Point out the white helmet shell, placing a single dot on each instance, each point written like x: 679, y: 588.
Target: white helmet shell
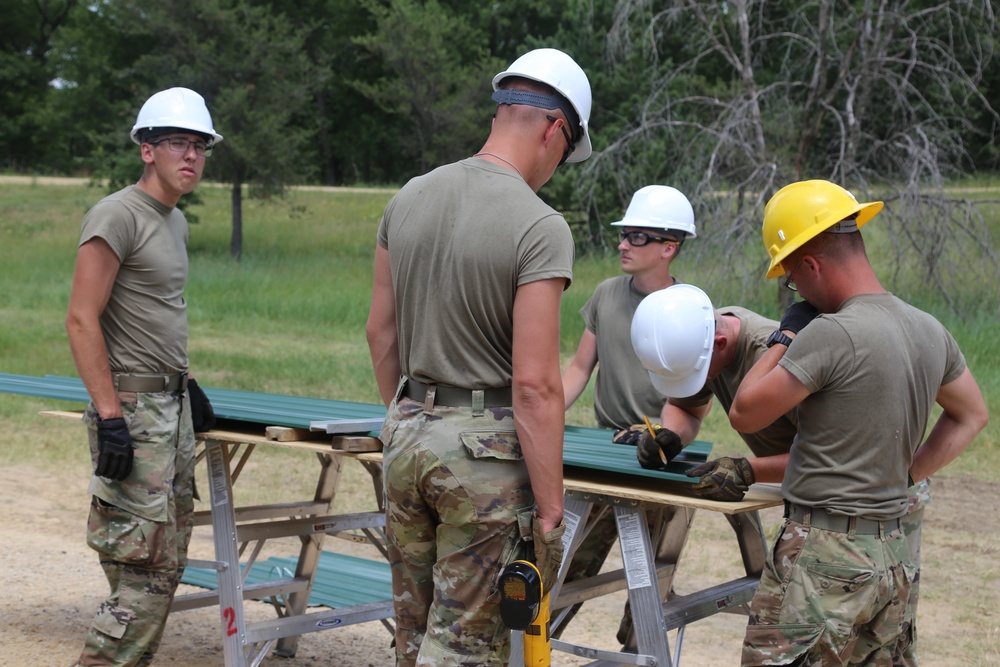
x: 175, y: 107
x: 660, y: 207
x: 673, y: 333
x: 559, y: 70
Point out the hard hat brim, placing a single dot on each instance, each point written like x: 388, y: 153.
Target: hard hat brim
x: 865, y: 210
x: 689, y: 386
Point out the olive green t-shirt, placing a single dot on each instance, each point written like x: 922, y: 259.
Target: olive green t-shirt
x: 623, y: 392
x: 751, y: 344
x: 145, y: 321
x: 461, y: 240
x: 874, y: 369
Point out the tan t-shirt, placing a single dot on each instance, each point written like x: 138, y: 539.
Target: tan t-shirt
x: 751, y: 344
x: 874, y: 369
x: 461, y: 240
x: 623, y: 392
x: 145, y: 321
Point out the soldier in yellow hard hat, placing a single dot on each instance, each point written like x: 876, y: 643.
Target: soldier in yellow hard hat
x: 863, y: 377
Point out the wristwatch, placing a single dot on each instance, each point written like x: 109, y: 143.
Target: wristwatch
x: 778, y: 337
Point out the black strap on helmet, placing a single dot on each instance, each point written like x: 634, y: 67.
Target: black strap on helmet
x: 514, y: 96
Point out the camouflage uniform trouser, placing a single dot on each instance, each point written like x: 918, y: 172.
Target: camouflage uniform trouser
x: 830, y: 598
x: 458, y: 509
x: 141, y: 528
x: 911, y: 524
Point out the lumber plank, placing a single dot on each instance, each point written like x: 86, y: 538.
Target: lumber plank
x: 356, y: 444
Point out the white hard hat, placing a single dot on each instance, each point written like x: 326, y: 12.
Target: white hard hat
x: 558, y: 70
x: 175, y: 107
x: 660, y: 207
x: 673, y: 332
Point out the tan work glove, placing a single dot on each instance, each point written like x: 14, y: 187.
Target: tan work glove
x: 630, y: 435
x: 723, y: 479
x: 548, y: 551
x: 651, y: 451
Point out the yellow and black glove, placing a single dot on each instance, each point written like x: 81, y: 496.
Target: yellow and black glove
x: 630, y: 435
x: 656, y: 453
x: 724, y: 478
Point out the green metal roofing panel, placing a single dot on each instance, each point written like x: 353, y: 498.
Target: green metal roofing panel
x: 341, y: 580
x: 584, y: 447
x: 592, y: 448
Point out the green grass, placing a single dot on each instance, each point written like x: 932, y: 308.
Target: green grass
x: 289, y: 317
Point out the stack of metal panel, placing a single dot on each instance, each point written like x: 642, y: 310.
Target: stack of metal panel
x: 584, y: 447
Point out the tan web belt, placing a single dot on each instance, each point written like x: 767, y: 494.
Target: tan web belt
x: 478, y: 399
x: 838, y: 523
x: 149, y: 383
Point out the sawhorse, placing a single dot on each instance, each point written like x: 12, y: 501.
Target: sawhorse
x: 643, y: 575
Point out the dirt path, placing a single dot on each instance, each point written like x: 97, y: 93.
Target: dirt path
x: 52, y: 584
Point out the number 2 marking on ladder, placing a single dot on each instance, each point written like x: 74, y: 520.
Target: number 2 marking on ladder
x: 230, y: 617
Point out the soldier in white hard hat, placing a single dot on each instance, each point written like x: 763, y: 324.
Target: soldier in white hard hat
x: 658, y: 221
x: 470, y: 267
x: 127, y: 327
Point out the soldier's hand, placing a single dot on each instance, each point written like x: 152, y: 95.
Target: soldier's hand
x: 548, y: 551
x: 630, y: 435
x: 202, y: 413
x: 723, y: 478
x: 114, y: 449
x: 649, y: 448
x: 797, y: 316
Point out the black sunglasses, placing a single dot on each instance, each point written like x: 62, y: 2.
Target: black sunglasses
x: 638, y: 239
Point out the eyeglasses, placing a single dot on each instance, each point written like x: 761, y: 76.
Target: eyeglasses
x: 790, y: 278
x: 638, y: 239
x: 183, y: 144
x: 571, y: 145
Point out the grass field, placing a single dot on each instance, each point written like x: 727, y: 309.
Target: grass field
x: 289, y: 317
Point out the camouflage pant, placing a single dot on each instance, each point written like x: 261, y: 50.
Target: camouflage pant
x: 141, y: 527
x: 458, y: 509
x: 911, y: 525
x: 829, y: 598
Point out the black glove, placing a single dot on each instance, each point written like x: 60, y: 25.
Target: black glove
x: 797, y: 316
x: 723, y: 479
x: 114, y: 449
x: 649, y: 448
x: 630, y: 435
x: 202, y: 414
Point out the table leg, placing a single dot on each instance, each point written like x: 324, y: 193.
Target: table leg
x: 226, y: 554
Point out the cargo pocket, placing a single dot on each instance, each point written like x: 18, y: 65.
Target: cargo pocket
x: 779, y: 644
x: 515, y: 546
x: 493, y: 444
x: 120, y: 536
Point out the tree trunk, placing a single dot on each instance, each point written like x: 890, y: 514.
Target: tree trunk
x: 236, y: 243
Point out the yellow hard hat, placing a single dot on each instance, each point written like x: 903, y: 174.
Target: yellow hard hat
x: 800, y: 211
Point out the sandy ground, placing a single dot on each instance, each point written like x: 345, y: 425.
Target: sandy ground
x: 52, y: 584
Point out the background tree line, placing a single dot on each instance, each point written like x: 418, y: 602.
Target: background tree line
x: 727, y: 101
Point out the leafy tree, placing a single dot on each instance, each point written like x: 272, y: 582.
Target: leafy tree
x: 250, y: 66
x: 437, y: 79
x: 26, y: 34
x: 86, y: 119
x: 760, y: 94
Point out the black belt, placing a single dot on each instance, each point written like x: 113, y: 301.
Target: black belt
x: 456, y: 396
x: 838, y: 523
x: 149, y: 383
